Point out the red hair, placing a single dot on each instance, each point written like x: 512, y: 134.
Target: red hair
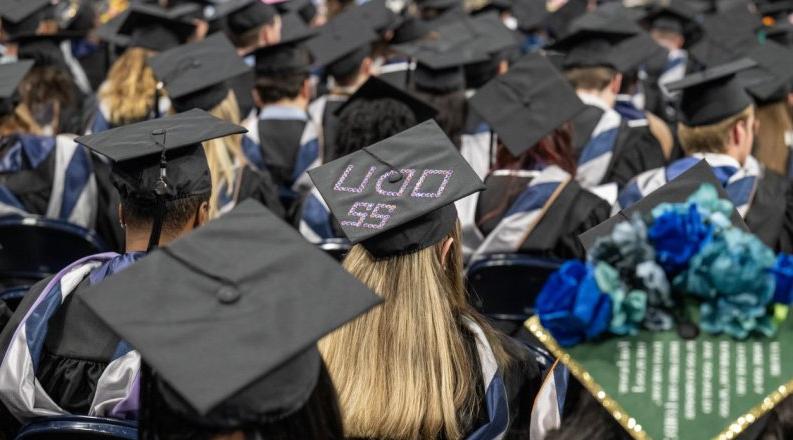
x: 553, y: 149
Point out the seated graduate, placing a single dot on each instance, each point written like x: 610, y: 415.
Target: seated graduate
x: 192, y: 76
x: 265, y: 315
x: 717, y: 125
x: 129, y: 94
x: 249, y: 24
x: 378, y: 110
x: 288, y: 138
x: 425, y: 364
x: 344, y: 47
x: 608, y: 150
x: 49, y: 176
x: 72, y: 361
x: 532, y: 203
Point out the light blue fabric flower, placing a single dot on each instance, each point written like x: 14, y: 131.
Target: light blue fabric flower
x: 625, y: 248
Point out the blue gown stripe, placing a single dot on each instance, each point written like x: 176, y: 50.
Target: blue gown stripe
x: 599, y: 145
x: 497, y: 411
x: 309, y: 152
x: 36, y: 324
x: 253, y: 152
x: 78, y: 174
x: 533, y: 197
x: 317, y: 217
x: 9, y: 199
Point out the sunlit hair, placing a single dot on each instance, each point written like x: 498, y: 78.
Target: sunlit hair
x: 20, y: 121
x: 770, y: 144
x: 224, y: 154
x: 711, y: 138
x: 128, y: 92
x: 404, y: 371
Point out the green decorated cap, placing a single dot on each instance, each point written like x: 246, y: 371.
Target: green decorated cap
x: 678, y: 321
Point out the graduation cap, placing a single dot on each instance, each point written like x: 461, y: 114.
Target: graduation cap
x: 781, y: 33
x: 676, y: 191
x: 11, y: 74
x: 558, y: 22
x: 591, y: 48
x: 236, y: 296
x: 606, y: 18
x: 672, y: 15
x: 109, y: 31
x: 777, y: 9
x: 305, y: 9
x: 397, y: 196
x: 342, y: 43
x: 631, y: 53
x: 770, y: 80
x: 241, y: 16
x: 294, y: 29
x: 530, y: 14
x: 714, y: 94
x: 441, y: 5
x: 411, y: 29
x: 284, y: 58
x: 161, y: 160
x: 376, y: 14
x: 376, y: 88
x: 195, y: 74
x: 23, y: 16
x: 155, y: 28
x: 526, y: 103
x: 492, y: 35
x: 727, y: 36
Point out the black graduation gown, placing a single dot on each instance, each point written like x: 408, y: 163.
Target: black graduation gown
x: 770, y: 216
x: 635, y: 151
x: 330, y: 126
x: 243, y: 90
x: 280, y: 142
x: 258, y: 185
x: 574, y: 211
x: 33, y: 186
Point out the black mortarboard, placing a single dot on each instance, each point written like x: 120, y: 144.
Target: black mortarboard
x: 590, y: 48
x: 225, y: 317
x: 109, y: 31
x: 244, y: 15
x: 284, y: 58
x: 195, y: 74
x: 530, y: 14
x: 492, y: 35
x: 161, y: 160
x: 629, y: 54
x: 671, y: 15
x: 558, y: 22
x: 305, y: 9
x: 294, y: 29
x: 770, y: 80
x: 155, y: 28
x: 727, y: 35
x: 342, y: 43
x: 714, y: 94
x: 11, y: 74
x: 676, y: 191
x: 397, y: 196
x: 606, y: 19
x: 439, y: 4
x: 376, y: 14
x: 526, y: 103
x: 376, y: 88
x: 23, y: 16
x: 781, y: 33
x: 776, y: 9
x: 411, y: 29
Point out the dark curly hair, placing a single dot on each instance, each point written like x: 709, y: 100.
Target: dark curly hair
x: 367, y: 121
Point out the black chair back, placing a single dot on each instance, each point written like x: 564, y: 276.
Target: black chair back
x: 78, y: 427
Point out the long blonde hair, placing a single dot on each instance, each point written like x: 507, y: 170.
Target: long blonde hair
x: 224, y: 155
x: 404, y: 370
x: 129, y: 90
x: 770, y: 146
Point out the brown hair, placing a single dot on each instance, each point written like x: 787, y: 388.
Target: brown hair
x: 590, y: 78
x: 710, y: 138
x: 770, y: 146
x: 404, y: 370
x: 20, y: 121
x: 129, y: 88
x: 46, y: 91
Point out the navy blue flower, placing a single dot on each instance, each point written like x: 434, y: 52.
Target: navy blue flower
x: 572, y: 307
x: 677, y: 237
x: 783, y: 275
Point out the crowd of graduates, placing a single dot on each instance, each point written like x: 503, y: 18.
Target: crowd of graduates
x: 216, y: 147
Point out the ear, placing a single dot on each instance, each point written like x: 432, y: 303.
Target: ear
x: 203, y: 214
x: 257, y: 100
x: 738, y: 133
x: 616, y: 83
x: 366, y: 66
x: 503, y: 67
x: 447, y: 247
x: 305, y: 91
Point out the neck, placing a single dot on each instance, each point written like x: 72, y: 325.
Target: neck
x: 299, y: 103
x: 605, y: 95
x: 348, y: 89
x: 137, y: 240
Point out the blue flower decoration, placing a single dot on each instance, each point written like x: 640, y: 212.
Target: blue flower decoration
x: 628, y: 309
x: 783, y: 277
x: 625, y: 248
x: 572, y: 307
x: 678, y: 236
x: 738, y: 316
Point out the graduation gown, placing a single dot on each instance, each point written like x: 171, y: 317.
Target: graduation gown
x: 323, y: 114
x: 626, y: 149
x: 555, y: 235
x: 253, y: 184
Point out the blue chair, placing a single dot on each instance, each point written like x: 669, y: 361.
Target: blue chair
x: 32, y: 248
x: 505, y: 286
x: 77, y: 427
x: 335, y: 247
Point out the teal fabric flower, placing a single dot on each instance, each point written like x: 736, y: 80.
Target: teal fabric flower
x: 738, y: 316
x: 625, y: 248
x: 627, y: 310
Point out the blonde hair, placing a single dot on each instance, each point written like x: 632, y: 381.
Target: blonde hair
x: 224, y: 155
x: 404, y: 371
x: 710, y: 138
x: 771, y: 147
x: 129, y: 90
x: 20, y: 121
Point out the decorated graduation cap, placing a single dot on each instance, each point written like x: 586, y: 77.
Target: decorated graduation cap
x: 11, y: 74
x: 706, y: 352
x: 342, y: 44
x: 591, y: 47
x: 714, y: 94
x: 23, y: 16
x: 526, y: 103
x: 770, y: 80
x: 161, y: 160
x: 195, y: 74
x: 376, y: 88
x: 235, y: 297
x: 155, y: 28
x: 397, y: 196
